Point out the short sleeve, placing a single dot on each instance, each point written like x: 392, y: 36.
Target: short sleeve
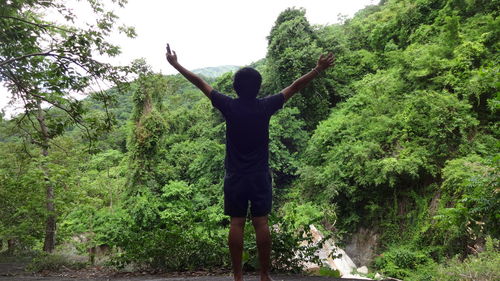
x: 274, y: 103
x: 220, y: 101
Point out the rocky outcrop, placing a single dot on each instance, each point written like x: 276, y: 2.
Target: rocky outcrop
x: 332, y: 256
x: 362, y: 245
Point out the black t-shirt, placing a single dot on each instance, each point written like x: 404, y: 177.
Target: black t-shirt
x: 247, y: 130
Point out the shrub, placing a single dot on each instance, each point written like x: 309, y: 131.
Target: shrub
x: 291, y: 247
x: 53, y: 262
x: 469, y: 204
x: 480, y: 267
x: 400, y: 262
x: 292, y: 240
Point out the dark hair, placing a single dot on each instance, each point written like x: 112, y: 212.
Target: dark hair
x: 247, y: 82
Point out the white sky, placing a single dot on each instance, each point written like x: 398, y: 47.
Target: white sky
x: 208, y: 33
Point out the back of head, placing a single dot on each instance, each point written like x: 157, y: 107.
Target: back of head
x: 247, y: 83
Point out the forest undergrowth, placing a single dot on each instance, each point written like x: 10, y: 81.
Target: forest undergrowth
x: 400, y: 137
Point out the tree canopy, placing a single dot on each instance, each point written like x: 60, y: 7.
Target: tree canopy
x: 399, y: 137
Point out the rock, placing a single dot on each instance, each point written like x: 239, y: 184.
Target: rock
x: 340, y: 261
x: 362, y: 245
x: 378, y: 276
x: 363, y: 269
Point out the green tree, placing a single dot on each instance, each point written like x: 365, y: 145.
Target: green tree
x: 42, y: 63
x: 23, y: 184
x: 148, y: 128
x: 292, y: 51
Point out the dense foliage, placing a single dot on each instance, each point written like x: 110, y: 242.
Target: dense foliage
x: 401, y: 137
x: 46, y: 62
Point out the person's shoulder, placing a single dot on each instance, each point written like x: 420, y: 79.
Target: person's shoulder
x: 272, y: 103
x: 220, y: 101
x: 216, y: 94
x: 269, y: 98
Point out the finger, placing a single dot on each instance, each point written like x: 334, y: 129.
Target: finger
x: 168, y: 49
x: 321, y: 57
x: 175, y: 55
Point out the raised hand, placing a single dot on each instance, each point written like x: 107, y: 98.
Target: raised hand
x: 190, y: 76
x: 171, y: 56
x: 325, y: 62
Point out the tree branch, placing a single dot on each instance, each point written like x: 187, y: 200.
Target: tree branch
x: 34, y: 127
x: 30, y: 92
x: 25, y: 56
x: 26, y: 149
x: 42, y: 26
x: 77, y: 122
x: 47, y: 54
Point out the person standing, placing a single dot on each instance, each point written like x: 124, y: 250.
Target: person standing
x: 247, y: 181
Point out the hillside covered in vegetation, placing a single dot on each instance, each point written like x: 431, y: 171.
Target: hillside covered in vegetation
x: 400, y: 137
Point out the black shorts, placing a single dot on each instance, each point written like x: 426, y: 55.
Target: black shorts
x: 239, y: 189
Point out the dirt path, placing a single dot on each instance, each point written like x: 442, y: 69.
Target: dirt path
x: 15, y: 271
x: 154, y: 278
x: 12, y: 268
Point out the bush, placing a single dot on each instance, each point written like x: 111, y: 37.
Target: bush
x: 53, y: 262
x: 171, y: 231
x: 483, y: 267
x: 425, y: 272
x: 469, y: 204
x: 402, y: 261
x: 292, y: 240
x: 480, y: 267
x: 292, y: 247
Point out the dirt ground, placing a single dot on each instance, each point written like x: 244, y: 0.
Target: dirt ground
x: 156, y: 278
x: 12, y: 268
x: 15, y: 270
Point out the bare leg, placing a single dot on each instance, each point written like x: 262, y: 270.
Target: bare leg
x: 263, y: 238
x: 236, y: 246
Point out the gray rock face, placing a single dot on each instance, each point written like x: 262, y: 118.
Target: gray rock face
x: 361, y: 248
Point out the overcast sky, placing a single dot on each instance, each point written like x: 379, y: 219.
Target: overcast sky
x: 208, y: 33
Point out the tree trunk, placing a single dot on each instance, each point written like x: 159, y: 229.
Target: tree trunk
x: 50, y: 224
x: 11, y: 245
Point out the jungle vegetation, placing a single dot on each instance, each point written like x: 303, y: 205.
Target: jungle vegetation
x: 401, y: 136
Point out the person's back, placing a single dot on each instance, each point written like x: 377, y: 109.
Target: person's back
x: 248, y: 179
x: 247, y: 130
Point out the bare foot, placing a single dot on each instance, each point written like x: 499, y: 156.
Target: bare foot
x: 238, y: 277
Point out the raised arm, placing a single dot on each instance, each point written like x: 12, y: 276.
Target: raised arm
x: 323, y: 63
x: 193, y: 78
